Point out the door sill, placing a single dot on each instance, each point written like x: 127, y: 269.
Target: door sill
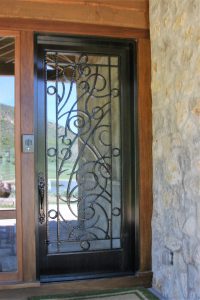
x: 73, y: 277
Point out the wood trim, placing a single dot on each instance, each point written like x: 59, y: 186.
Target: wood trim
x: 73, y: 28
x: 145, y: 152
x: 18, y: 155
x: 8, y: 214
x: 27, y: 162
x: 16, y: 213
x: 128, y: 13
x: 9, y: 33
x: 13, y: 285
x: 24, y: 290
x: 8, y: 277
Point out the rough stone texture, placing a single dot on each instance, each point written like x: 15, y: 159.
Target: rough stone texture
x: 175, y: 44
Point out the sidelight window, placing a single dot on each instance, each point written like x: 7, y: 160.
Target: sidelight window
x: 8, y: 245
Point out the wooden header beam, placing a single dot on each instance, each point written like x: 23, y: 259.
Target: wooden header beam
x: 126, y: 13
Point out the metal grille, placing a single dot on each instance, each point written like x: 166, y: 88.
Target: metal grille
x: 83, y: 152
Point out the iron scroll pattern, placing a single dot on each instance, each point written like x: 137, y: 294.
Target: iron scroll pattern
x: 80, y: 90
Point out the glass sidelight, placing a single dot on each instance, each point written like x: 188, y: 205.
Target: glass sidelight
x: 8, y: 256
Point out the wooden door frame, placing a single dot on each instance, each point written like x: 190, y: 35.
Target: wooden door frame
x: 26, y: 29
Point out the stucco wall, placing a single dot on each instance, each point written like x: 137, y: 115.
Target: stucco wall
x: 175, y: 44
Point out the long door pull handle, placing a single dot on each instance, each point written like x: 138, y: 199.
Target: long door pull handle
x: 41, y: 192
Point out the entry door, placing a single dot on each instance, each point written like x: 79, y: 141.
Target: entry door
x: 86, y: 217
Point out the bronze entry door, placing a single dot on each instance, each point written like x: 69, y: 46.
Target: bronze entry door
x: 85, y: 158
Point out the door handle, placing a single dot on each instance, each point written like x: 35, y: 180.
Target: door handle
x: 41, y: 192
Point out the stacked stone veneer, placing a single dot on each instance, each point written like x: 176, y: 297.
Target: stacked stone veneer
x: 175, y: 44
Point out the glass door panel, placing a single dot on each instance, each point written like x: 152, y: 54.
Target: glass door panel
x: 83, y: 153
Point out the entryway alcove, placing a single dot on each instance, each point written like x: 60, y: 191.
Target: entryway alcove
x: 68, y: 164
x: 86, y: 157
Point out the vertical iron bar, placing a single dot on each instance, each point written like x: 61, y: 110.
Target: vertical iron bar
x: 119, y: 73
x: 110, y: 135
x: 57, y: 162
x: 46, y: 139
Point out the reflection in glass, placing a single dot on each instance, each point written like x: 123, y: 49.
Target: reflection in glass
x: 83, y: 152
x: 8, y: 258
x: 7, y: 107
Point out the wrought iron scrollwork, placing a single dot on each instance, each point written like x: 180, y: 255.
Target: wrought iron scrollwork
x: 83, y: 151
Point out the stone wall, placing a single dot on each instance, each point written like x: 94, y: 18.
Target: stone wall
x: 175, y: 44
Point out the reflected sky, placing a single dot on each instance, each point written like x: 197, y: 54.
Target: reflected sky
x: 7, y: 90
x: 51, y: 107
x: 7, y: 96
